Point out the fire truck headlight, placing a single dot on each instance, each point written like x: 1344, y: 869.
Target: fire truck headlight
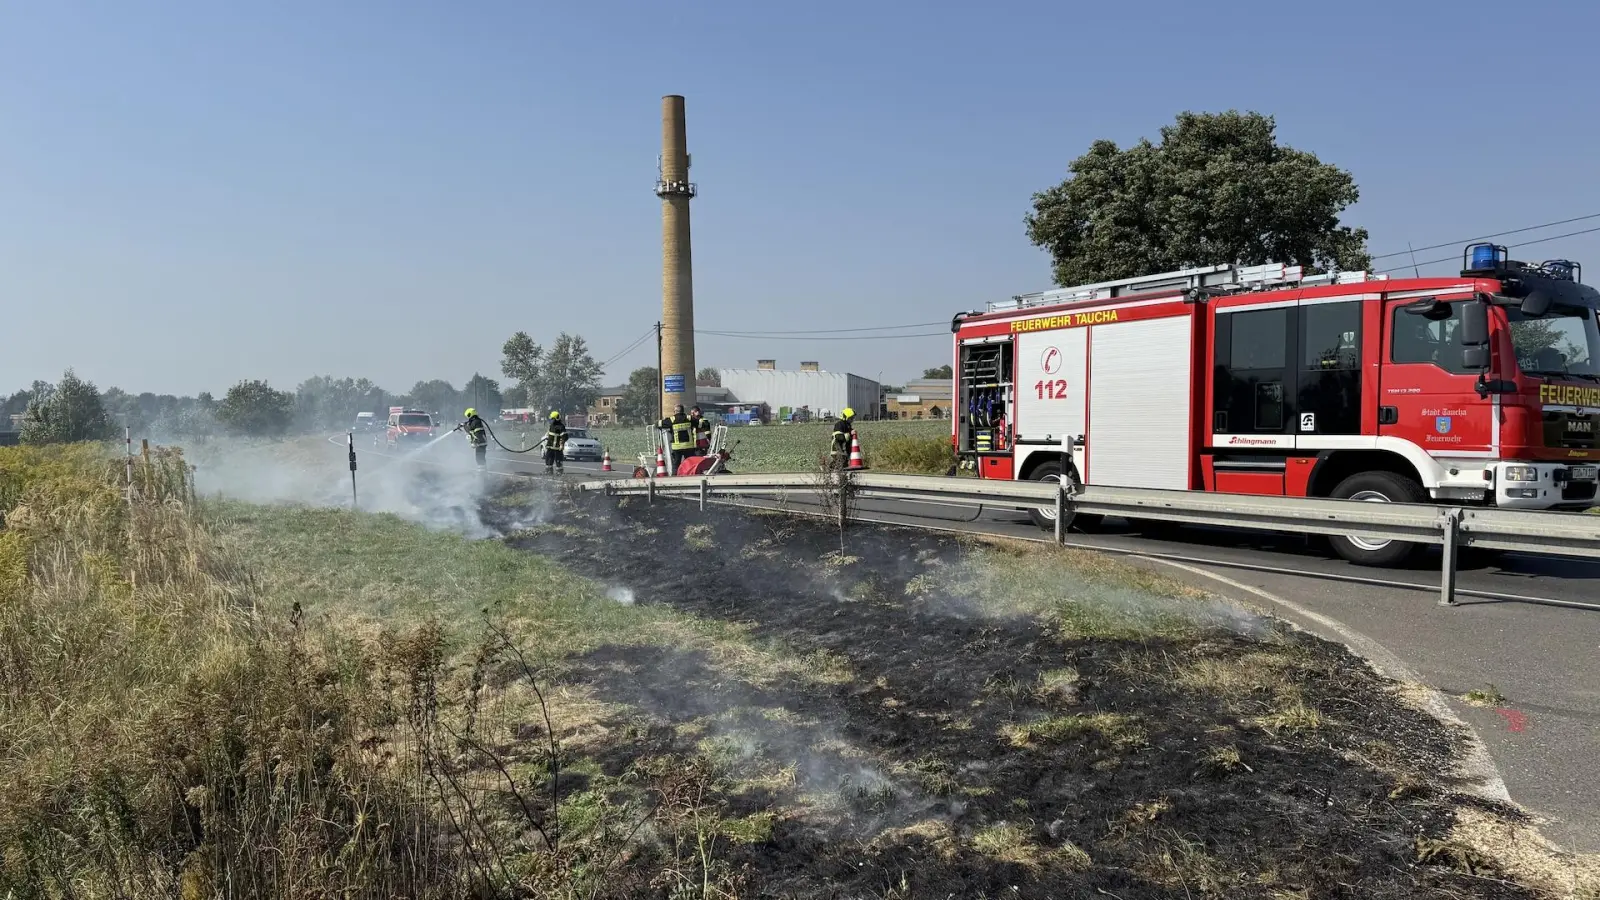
x: 1521, y: 473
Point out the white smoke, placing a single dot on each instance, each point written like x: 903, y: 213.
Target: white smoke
x: 437, y: 485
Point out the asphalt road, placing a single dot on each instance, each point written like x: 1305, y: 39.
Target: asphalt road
x: 1505, y: 632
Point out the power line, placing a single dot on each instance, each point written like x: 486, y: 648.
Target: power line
x: 630, y: 348
x: 821, y: 334
x: 1487, y: 236
x: 791, y: 337
x: 833, y: 330
x: 1432, y: 262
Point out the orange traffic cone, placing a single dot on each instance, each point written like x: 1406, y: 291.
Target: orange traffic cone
x: 605, y: 461
x: 856, y: 462
x: 661, y: 464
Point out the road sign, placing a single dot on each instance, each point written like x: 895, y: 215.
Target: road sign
x: 672, y: 384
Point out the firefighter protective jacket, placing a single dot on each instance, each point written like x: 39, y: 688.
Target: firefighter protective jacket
x: 555, y: 437
x: 682, y: 431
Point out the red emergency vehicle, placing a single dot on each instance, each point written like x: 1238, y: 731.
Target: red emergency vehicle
x: 408, y: 426
x: 1482, y: 389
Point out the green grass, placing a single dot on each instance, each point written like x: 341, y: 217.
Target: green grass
x: 889, y: 446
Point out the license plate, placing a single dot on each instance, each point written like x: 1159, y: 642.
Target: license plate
x: 1581, y: 473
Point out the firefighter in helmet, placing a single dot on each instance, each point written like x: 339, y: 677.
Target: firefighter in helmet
x: 843, y: 427
x: 681, y: 432
x: 477, y: 436
x: 702, y: 432
x: 555, y: 444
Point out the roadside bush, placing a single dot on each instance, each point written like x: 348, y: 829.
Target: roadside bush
x: 914, y: 455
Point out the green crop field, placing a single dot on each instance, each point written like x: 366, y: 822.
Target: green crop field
x: 793, y: 448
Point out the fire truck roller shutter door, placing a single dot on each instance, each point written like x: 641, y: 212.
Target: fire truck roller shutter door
x: 1140, y: 387
x: 1052, y: 383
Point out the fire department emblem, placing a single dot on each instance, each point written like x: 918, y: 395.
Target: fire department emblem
x: 1442, y: 424
x: 1050, y: 361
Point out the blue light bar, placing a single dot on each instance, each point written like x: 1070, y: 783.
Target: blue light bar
x: 1484, y: 259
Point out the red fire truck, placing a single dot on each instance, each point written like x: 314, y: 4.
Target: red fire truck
x: 1482, y: 389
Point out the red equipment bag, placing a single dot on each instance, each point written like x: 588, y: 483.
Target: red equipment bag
x: 696, y: 465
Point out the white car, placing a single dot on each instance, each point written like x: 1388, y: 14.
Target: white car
x: 581, y: 446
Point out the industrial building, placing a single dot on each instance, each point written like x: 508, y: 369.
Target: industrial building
x: 809, y: 389
x: 604, y: 409
x: 924, y: 398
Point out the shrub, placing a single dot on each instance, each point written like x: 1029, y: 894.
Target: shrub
x: 918, y: 455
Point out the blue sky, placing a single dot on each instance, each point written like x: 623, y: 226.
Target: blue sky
x: 192, y: 193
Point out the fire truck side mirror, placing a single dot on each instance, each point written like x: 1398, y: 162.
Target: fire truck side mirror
x: 1431, y: 308
x: 1536, y: 304
x: 1475, y: 335
x: 1475, y: 324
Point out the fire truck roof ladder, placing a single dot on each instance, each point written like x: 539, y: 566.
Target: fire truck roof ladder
x: 1221, y: 279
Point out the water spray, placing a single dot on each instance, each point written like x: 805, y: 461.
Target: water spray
x: 439, y: 438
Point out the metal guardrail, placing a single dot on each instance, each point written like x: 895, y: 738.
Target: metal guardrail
x: 1449, y: 527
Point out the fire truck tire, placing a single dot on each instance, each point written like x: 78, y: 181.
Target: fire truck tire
x: 1377, y: 487
x: 1045, y: 517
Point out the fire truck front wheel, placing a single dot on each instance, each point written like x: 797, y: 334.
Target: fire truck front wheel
x: 1045, y: 516
x: 1377, y: 487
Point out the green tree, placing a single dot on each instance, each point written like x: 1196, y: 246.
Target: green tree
x: 514, y: 397
x: 324, y: 402
x: 483, y: 394
x: 189, y: 419
x: 1217, y: 189
x: 938, y: 372
x: 436, y: 395
x: 255, y: 409
x: 143, y: 413
x: 566, y: 377
x: 710, y: 375
x: 122, y: 407
x: 522, y: 361
x: 16, y: 404
x: 68, y: 411
x: 640, y: 403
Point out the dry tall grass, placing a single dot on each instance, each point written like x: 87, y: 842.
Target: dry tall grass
x: 168, y: 730
x: 914, y: 454
x: 160, y: 737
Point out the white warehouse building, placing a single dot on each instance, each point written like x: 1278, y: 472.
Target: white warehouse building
x: 786, y: 391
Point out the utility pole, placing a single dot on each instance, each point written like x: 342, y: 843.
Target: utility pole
x: 661, y: 410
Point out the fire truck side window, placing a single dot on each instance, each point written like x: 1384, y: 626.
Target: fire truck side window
x: 1417, y: 340
x: 1252, y: 358
x: 1330, y: 369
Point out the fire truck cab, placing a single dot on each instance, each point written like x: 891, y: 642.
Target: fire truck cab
x: 1482, y: 389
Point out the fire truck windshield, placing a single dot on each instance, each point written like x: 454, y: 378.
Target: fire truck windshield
x: 415, y: 421
x: 1565, y: 341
